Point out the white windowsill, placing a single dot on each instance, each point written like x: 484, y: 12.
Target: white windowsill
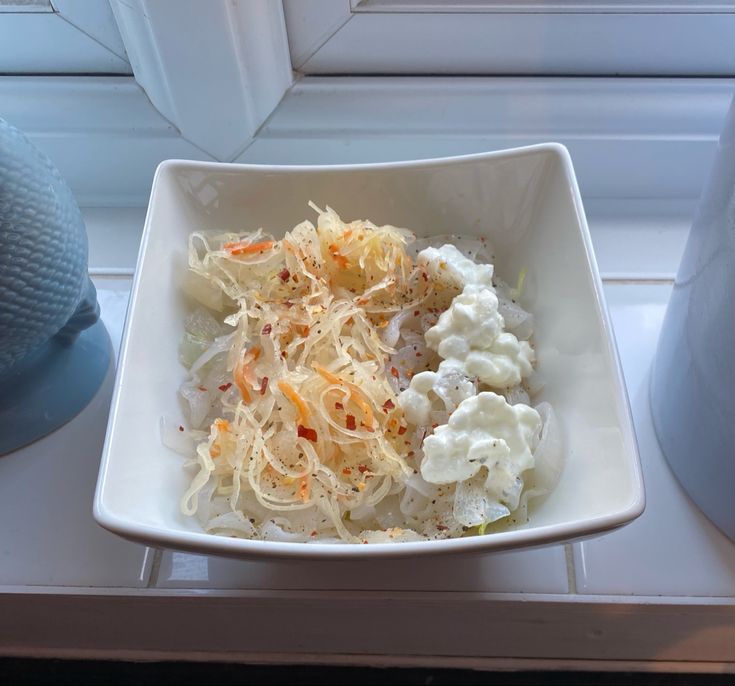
x: 594, y: 586
x: 626, y: 600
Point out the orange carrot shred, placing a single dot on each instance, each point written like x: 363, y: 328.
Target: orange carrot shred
x: 243, y: 248
x: 295, y: 398
x: 329, y: 376
x: 237, y: 375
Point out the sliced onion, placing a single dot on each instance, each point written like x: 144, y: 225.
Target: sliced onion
x: 453, y: 387
x: 232, y: 522
x: 391, y: 535
x: 201, y: 324
x: 517, y: 320
x: 517, y: 395
x: 219, y: 345
x: 473, y: 506
x: 197, y: 402
x: 175, y: 437
x: 203, y: 291
x: 418, y: 483
x: 270, y: 531
x: 362, y: 512
x: 413, y: 502
x: 392, y: 332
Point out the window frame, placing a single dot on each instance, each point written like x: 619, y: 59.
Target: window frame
x: 490, y: 37
x: 82, y: 39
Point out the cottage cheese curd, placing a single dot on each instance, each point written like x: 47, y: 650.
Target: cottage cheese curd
x: 485, y: 431
x: 448, y: 265
x: 470, y: 337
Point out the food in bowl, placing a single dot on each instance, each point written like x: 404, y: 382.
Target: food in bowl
x: 349, y: 383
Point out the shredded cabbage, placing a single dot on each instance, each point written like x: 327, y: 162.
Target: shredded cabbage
x: 297, y: 353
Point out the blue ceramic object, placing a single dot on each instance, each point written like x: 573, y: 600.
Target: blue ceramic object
x: 54, y: 350
x: 693, y: 380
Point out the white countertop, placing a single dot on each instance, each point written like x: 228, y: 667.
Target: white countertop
x: 658, y: 592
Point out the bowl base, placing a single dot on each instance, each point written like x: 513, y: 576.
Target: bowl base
x: 52, y: 387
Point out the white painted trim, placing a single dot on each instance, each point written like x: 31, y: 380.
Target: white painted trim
x: 95, y: 19
x: 311, y: 24
x: 568, y: 628
x: 51, y: 43
x: 102, y: 133
x: 629, y: 138
x: 215, y: 70
x: 538, y: 43
x: 563, y: 6
x: 38, y: 6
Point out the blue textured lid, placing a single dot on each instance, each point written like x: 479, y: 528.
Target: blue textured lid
x: 43, y: 248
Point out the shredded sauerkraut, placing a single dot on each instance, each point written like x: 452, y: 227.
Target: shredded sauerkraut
x: 299, y: 352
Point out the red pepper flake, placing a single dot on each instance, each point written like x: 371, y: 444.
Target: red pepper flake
x: 288, y: 304
x: 424, y: 276
x: 419, y: 355
x: 401, y: 430
x: 367, y: 428
x: 284, y: 354
x: 266, y: 330
x: 284, y: 275
x: 201, y: 388
x: 264, y: 385
x: 346, y: 471
x: 433, y: 426
x: 181, y: 428
x: 225, y: 387
x: 441, y: 527
x: 313, y: 533
x: 339, y: 406
x: 394, y: 372
x: 388, y: 404
x: 350, y: 422
x: 416, y: 313
x: 307, y: 433
x: 362, y: 468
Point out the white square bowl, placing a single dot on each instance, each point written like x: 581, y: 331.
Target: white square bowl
x: 525, y: 201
